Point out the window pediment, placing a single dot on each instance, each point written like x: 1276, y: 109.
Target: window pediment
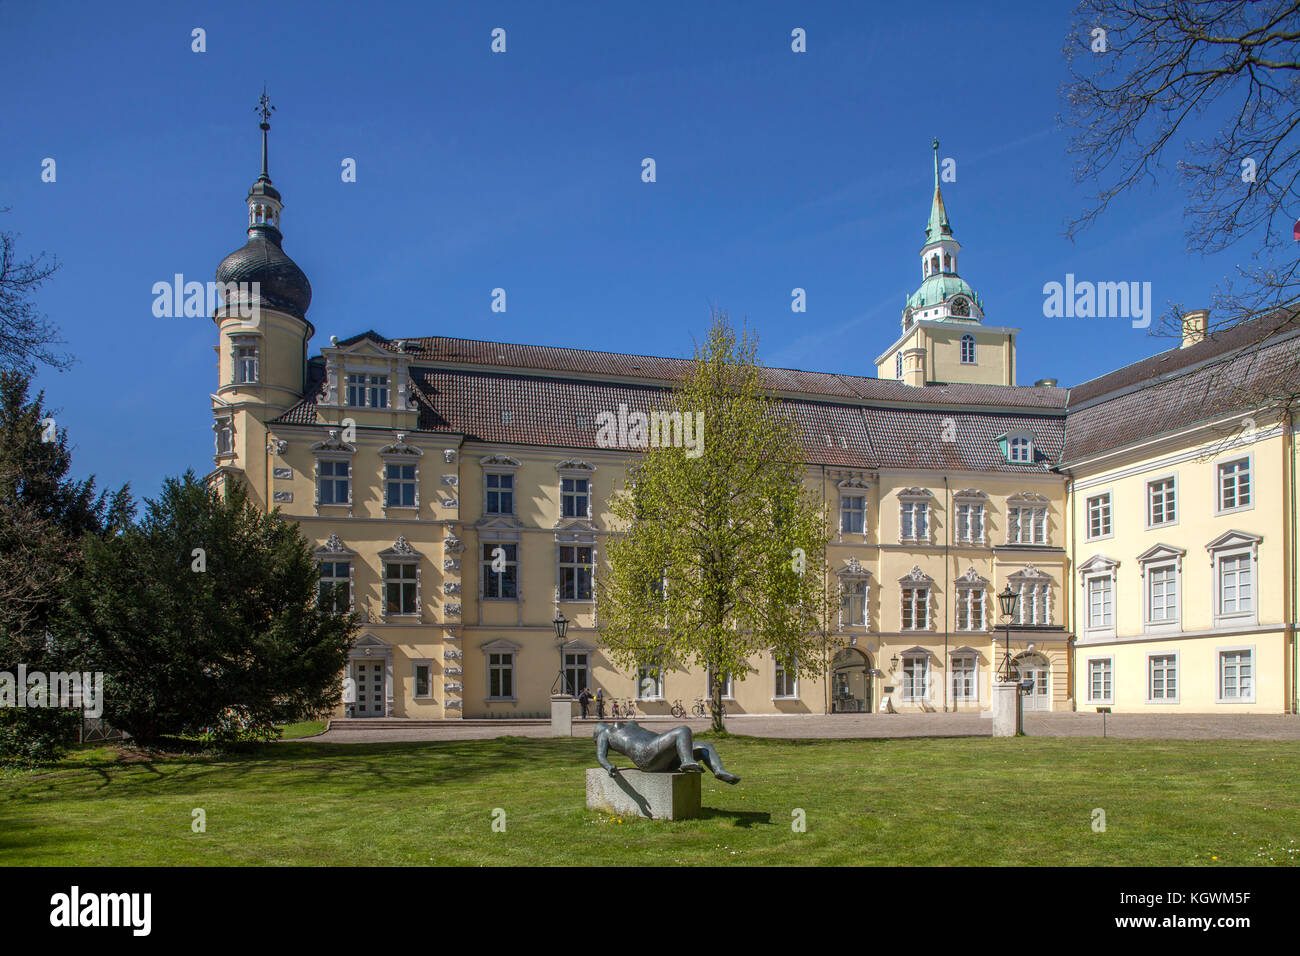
x: 1097, y: 564
x: 499, y: 462
x: 335, y: 444
x: 972, y: 579
x: 1030, y: 573
x: 500, y: 646
x: 575, y: 465
x: 853, y: 568
x: 1235, y: 539
x: 915, y: 494
x: 1028, y: 497
x: 853, y: 482
x: 334, y: 547
x: 400, y: 448
x: 1161, y: 552
x: 969, y: 494
x: 401, y: 549
x: 916, y: 577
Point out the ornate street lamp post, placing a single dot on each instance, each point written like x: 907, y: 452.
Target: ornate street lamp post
x: 561, y: 631
x: 1009, y: 599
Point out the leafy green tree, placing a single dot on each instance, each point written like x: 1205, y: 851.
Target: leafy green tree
x: 723, y: 552
x: 205, y: 620
x: 43, y: 518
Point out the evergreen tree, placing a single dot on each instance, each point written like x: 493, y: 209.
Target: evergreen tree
x: 205, y: 619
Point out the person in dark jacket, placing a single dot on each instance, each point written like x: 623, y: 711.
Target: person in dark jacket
x: 600, y: 703
x: 584, y: 700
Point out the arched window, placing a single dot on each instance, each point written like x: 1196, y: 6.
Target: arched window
x: 907, y: 319
x: 898, y: 365
x: 947, y: 262
x: 968, y: 349
x: 934, y: 262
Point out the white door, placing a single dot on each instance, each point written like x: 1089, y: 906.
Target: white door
x: 369, y: 678
x: 1037, y: 698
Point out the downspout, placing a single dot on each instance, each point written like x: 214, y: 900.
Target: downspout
x: 947, y: 539
x: 1289, y: 547
x: 1069, y: 657
x: 826, y: 614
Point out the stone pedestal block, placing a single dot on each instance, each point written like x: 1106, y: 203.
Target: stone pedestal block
x: 561, y: 716
x: 1004, y: 708
x: 656, y: 796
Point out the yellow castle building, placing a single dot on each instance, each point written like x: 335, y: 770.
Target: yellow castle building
x: 456, y: 489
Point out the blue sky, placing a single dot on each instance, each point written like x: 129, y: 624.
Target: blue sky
x: 522, y: 170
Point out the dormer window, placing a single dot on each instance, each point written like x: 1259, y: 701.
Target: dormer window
x: 1020, y: 449
x: 367, y: 391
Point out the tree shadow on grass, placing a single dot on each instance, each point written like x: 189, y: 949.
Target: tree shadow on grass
x: 740, y: 818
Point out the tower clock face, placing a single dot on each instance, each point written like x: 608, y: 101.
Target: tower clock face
x: 960, y: 306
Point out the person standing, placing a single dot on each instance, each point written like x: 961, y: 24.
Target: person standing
x: 600, y: 703
x: 584, y: 700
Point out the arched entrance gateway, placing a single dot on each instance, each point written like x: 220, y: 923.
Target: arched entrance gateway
x: 1035, y: 667
x: 850, y: 682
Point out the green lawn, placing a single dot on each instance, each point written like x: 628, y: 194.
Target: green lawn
x: 916, y: 801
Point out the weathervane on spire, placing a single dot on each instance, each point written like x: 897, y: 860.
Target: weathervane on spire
x: 264, y: 107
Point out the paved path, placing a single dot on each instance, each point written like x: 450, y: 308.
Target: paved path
x: 1171, y: 726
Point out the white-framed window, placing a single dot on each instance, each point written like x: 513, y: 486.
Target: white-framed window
x: 853, y: 602
x: 726, y: 686
x: 1162, y: 594
x: 499, y: 493
x: 650, y: 682
x: 914, y: 516
x: 786, y: 679
x: 965, y: 677
x: 367, y: 390
x: 500, y: 571
x: 400, y: 485
x: 401, y: 588
x: 970, y: 608
x: 1162, y: 504
x: 333, y: 481
x: 1101, y: 602
x: 916, y: 677
x: 576, y: 672
x: 1035, y: 590
x: 898, y: 366
x: 246, y: 363
x: 501, y: 675
x: 1235, y: 557
x: 1099, y: 518
x: 1101, y: 678
x: 915, y: 609
x: 422, y: 678
x: 224, y: 430
x: 335, y: 585
x: 1020, y: 449
x: 853, y: 513
x: 1027, y: 518
x: 968, y: 349
x: 1236, y: 675
x: 970, y: 521
x: 1234, y: 485
x: 575, y: 497
x: 575, y: 567
x: 1162, y: 678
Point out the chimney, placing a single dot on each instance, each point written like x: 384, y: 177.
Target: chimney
x: 1194, y: 325
x: 914, y: 367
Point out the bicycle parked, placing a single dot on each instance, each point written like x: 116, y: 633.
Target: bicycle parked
x: 624, y: 711
x: 703, y: 709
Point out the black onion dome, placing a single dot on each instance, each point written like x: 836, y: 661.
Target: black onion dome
x: 284, y: 286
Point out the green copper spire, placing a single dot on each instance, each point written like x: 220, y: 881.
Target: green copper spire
x: 938, y: 227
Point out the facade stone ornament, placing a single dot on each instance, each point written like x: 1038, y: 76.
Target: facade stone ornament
x: 452, y: 704
x: 453, y: 609
x: 449, y: 455
x: 450, y: 480
x: 401, y: 548
x: 972, y: 577
x: 282, y: 473
x: 452, y: 544
x: 916, y: 576
x: 282, y: 497
x: 451, y: 587
x: 451, y: 564
x: 400, y: 447
x: 451, y: 671
x: 277, y: 446
x: 452, y: 687
x: 334, y: 443
x: 451, y: 655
